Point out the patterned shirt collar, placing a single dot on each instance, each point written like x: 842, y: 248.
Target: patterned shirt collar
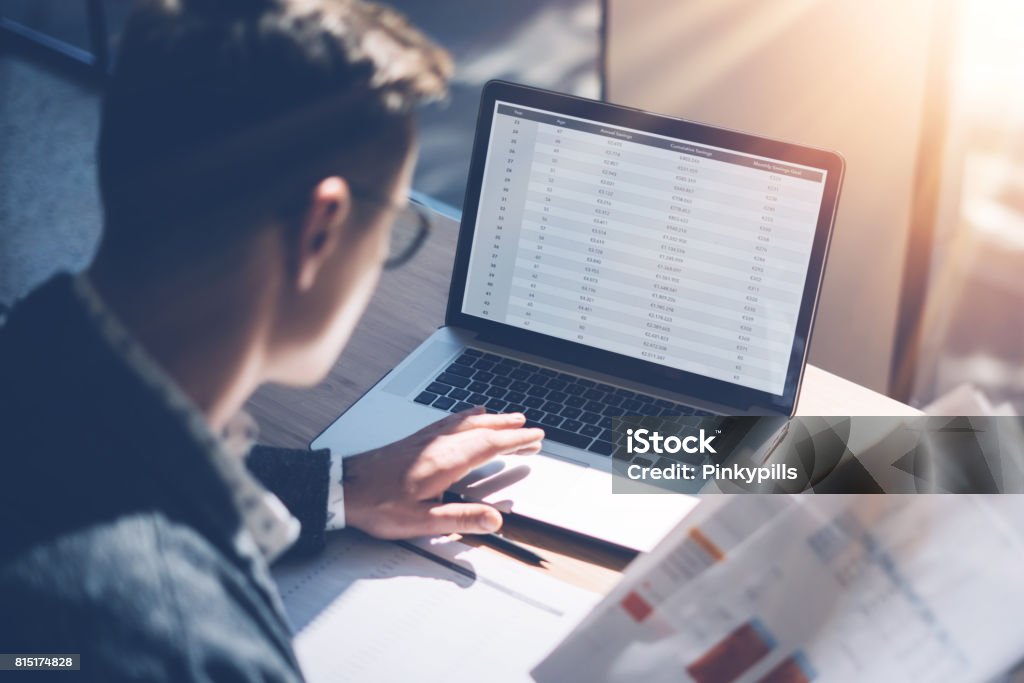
x: 267, y: 522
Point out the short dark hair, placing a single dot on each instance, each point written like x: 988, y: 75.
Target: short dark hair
x: 219, y: 105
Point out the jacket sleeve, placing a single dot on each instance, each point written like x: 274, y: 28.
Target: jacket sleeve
x: 300, y: 478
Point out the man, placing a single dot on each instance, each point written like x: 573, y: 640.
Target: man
x: 253, y: 157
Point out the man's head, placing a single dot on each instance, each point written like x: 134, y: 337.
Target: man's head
x: 256, y: 145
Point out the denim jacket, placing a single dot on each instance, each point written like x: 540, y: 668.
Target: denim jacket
x: 119, y: 538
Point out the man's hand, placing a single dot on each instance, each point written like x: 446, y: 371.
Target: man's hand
x: 394, y: 491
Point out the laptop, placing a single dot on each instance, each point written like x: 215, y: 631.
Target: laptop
x: 612, y: 262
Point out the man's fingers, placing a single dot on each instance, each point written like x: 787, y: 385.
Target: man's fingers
x: 446, y: 424
x: 529, y: 449
x: 484, y: 444
x: 469, y: 449
x: 481, y: 420
x: 474, y: 418
x: 463, y: 518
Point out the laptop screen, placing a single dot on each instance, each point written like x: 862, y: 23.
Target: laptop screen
x: 661, y: 249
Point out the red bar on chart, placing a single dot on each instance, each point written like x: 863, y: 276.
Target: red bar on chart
x: 731, y: 656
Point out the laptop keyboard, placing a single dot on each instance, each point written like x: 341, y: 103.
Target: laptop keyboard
x: 572, y: 410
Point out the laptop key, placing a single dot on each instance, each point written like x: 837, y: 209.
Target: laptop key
x: 591, y: 430
x: 585, y: 383
x: 575, y: 389
x: 458, y: 394
x: 552, y: 407
x: 576, y: 401
x: 571, y: 412
x: 643, y: 462
x: 519, y: 386
x: 438, y: 388
x: 556, y: 385
x: 515, y: 396
x: 539, y: 392
x: 625, y: 393
x: 612, y: 400
x: 630, y: 404
x: 478, y: 399
x: 551, y: 420
x: 492, y: 358
x: 465, y: 359
x: 601, y: 448
x: 444, y: 403
x: 561, y: 435
x: 496, y: 392
x: 590, y: 418
x: 571, y: 425
x: 537, y: 379
x: 462, y: 370
x: 483, y: 376
x: 473, y: 352
x: 534, y: 415
x: 426, y: 398
x: 613, y: 411
x: 515, y: 408
x: 594, y: 407
x: 484, y: 365
x: 452, y: 380
x: 477, y: 386
x: 593, y: 394
x: 460, y: 406
x: 695, y: 459
x: 501, y: 381
x: 534, y: 402
x: 503, y: 370
x: 559, y: 396
x: 548, y: 372
x: 496, y: 404
x: 519, y: 374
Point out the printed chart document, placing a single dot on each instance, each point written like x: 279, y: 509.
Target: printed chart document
x: 433, y: 610
x: 775, y: 589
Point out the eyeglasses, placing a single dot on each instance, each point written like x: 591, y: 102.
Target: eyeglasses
x: 409, y: 231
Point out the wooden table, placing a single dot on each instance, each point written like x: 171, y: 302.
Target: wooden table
x: 408, y: 306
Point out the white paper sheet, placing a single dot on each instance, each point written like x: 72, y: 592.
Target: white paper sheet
x: 368, y: 610
x: 822, y: 588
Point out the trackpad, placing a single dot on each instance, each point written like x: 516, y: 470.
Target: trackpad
x: 508, y: 480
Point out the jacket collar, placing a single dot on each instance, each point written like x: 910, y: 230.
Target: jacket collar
x: 266, y: 521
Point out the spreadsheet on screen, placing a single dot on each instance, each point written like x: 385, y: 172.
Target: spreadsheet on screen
x: 675, y: 252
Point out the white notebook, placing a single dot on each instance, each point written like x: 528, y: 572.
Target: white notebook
x: 432, y: 610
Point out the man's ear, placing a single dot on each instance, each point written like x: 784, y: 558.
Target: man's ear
x: 321, y: 229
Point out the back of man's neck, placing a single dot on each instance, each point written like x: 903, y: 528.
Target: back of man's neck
x: 199, y: 335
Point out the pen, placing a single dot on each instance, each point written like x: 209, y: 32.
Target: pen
x: 500, y: 543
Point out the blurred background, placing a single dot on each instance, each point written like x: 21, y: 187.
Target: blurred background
x: 924, y: 288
